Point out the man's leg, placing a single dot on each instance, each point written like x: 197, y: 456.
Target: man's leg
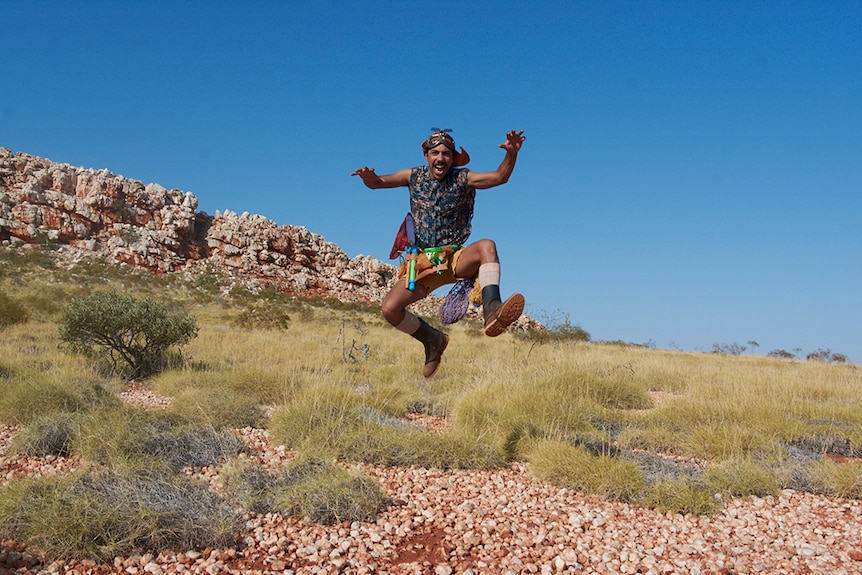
x: 395, y: 312
x: 481, y: 257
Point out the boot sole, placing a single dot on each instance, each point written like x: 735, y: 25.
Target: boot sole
x: 509, y: 313
x: 437, y: 359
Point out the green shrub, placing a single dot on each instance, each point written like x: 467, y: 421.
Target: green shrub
x: 106, y: 513
x: 11, y: 312
x: 127, y: 332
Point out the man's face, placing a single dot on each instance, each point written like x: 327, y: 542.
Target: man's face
x: 440, y: 160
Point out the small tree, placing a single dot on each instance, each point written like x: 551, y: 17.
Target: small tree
x: 826, y: 355
x: 781, y: 354
x: 125, y: 331
x: 728, y: 348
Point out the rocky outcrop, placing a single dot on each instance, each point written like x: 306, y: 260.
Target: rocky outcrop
x: 147, y: 226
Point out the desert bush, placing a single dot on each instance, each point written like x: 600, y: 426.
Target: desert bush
x: 128, y: 437
x: 219, y: 407
x: 557, y: 329
x: 262, y: 315
x: 738, y: 478
x: 334, y: 420
x: 127, y: 332
x: 574, y: 467
x: 780, y: 354
x: 53, y: 434
x: 309, y: 488
x: 324, y: 492
x: 101, y: 514
x: 836, y: 479
x: 679, y: 495
x: 11, y: 312
x: 29, y: 396
x: 728, y: 348
x: 826, y: 355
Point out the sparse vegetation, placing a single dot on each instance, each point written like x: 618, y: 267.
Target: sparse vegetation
x: 558, y: 330
x: 11, y: 312
x: 826, y: 355
x: 657, y: 428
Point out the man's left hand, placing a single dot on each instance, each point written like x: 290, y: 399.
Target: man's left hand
x: 514, y: 139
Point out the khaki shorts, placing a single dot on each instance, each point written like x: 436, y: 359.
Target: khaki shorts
x: 432, y: 276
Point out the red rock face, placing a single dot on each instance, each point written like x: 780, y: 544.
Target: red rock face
x: 161, y: 230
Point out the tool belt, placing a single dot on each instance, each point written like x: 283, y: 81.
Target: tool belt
x: 422, y: 262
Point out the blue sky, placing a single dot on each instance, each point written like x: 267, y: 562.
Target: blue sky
x: 692, y: 172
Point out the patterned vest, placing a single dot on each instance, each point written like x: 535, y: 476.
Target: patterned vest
x: 442, y: 209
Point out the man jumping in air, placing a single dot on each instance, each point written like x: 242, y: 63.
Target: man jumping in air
x: 442, y: 196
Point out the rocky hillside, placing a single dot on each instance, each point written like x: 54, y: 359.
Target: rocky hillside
x: 102, y: 214
x: 150, y: 227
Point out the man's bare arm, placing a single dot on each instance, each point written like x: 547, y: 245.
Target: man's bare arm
x: 484, y: 180
x: 373, y: 181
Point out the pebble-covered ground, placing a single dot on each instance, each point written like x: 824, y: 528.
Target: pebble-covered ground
x: 493, y: 522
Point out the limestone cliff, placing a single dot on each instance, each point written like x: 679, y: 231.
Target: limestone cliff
x: 150, y: 227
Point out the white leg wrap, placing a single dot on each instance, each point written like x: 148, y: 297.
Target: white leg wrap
x: 489, y: 274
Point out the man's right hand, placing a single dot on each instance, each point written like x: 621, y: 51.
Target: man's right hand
x: 369, y: 177
x: 373, y: 181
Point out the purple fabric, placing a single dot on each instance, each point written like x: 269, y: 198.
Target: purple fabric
x: 455, y: 303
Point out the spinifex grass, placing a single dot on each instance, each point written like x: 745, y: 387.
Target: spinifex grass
x: 308, y: 488
x: 101, y: 514
x: 38, y: 380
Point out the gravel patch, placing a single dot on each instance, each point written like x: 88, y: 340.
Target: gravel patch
x: 494, y: 522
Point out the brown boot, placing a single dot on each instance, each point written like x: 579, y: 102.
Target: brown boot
x: 435, y: 343
x: 500, y: 315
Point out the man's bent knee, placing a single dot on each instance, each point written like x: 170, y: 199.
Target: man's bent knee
x: 487, y: 250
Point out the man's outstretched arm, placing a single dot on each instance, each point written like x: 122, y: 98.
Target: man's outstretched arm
x: 373, y: 181
x: 484, y: 180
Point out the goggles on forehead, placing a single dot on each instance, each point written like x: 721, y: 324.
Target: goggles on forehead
x: 437, y: 138
x: 442, y: 137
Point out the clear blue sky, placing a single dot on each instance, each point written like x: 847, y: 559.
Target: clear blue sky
x: 692, y: 172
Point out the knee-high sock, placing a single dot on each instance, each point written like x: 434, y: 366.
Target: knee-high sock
x: 489, y: 274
